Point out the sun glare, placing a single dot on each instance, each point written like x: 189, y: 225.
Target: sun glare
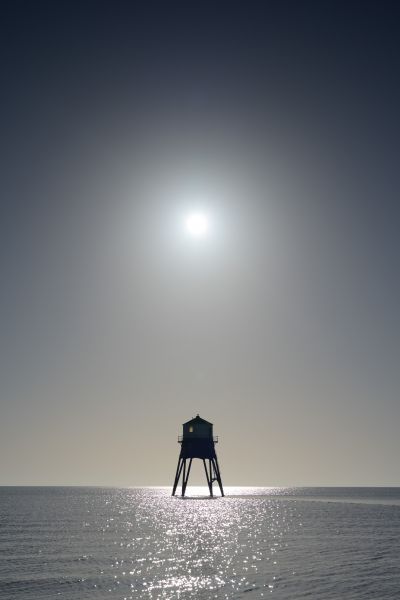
x: 197, y: 225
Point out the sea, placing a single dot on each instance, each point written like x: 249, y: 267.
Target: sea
x: 94, y: 543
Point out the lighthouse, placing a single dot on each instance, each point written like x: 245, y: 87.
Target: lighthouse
x: 198, y: 441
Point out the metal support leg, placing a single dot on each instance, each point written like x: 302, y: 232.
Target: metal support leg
x: 208, y: 480
x: 185, y: 479
x: 218, y: 475
x: 177, y: 476
x: 184, y: 476
x: 210, y: 465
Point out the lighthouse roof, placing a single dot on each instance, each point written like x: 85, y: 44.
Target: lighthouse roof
x: 197, y: 419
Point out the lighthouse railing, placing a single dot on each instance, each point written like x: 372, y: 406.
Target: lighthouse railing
x: 188, y: 438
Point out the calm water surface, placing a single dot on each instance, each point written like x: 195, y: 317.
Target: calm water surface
x: 98, y: 543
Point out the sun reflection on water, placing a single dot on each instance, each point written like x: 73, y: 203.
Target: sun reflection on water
x: 196, y: 547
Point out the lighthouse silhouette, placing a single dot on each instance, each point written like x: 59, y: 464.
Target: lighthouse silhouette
x: 197, y: 441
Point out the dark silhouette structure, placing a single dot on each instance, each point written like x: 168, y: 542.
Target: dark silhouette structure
x: 198, y: 441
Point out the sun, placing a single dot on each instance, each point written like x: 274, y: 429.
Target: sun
x: 197, y: 225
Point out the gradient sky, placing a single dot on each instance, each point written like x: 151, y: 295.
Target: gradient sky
x: 281, y: 120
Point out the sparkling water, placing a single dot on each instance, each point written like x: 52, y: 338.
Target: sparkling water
x: 98, y: 543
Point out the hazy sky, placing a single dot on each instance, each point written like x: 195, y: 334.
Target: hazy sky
x: 281, y: 121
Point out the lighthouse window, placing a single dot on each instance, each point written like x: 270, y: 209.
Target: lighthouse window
x: 191, y: 429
